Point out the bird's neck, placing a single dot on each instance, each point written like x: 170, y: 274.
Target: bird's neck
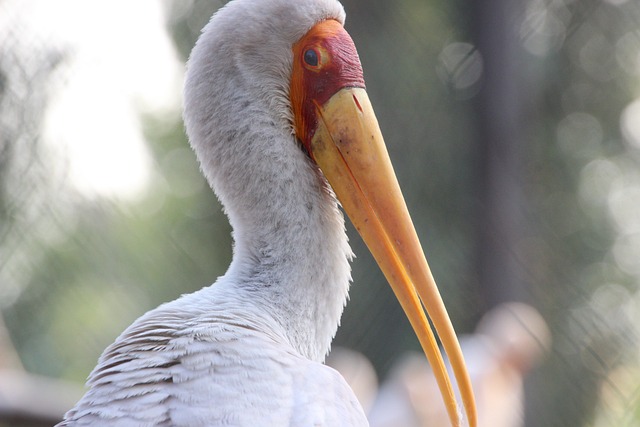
x: 291, y: 255
x: 293, y: 264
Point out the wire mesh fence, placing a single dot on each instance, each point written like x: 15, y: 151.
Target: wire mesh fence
x: 514, y: 128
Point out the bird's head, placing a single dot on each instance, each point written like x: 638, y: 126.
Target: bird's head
x: 297, y: 59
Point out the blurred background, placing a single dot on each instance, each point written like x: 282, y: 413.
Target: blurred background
x: 514, y: 128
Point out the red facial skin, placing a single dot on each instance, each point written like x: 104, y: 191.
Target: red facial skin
x: 311, y: 86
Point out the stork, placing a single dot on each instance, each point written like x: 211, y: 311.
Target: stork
x: 276, y: 110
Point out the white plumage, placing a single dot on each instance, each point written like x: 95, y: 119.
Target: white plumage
x: 245, y: 351
x: 189, y: 363
x: 248, y: 350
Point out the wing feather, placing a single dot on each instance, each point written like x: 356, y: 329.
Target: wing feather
x: 225, y: 367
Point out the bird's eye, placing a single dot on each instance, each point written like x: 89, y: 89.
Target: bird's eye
x: 311, y: 57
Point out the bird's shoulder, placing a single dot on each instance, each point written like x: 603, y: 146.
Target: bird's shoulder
x: 183, y: 365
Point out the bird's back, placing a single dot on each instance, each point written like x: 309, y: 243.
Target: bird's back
x: 180, y: 365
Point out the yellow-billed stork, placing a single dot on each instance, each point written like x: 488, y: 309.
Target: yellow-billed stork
x: 277, y: 113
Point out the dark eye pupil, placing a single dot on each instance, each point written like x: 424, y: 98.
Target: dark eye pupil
x: 311, y: 57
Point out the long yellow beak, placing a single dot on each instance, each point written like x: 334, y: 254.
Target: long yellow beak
x: 349, y: 148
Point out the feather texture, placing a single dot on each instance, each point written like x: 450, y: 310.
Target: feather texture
x: 183, y: 365
x: 248, y: 350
